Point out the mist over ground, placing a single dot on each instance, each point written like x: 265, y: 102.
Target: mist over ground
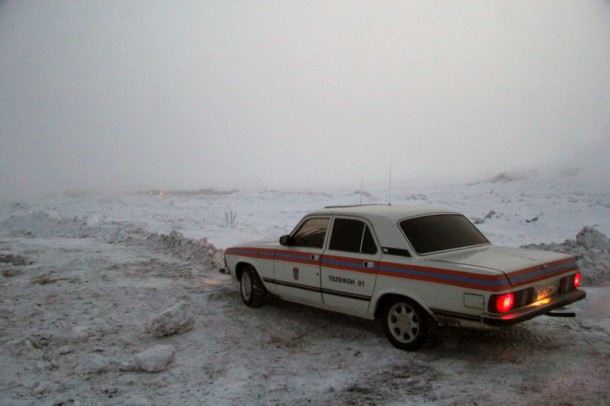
x: 123, y: 96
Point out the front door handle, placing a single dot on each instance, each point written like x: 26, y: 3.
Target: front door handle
x: 369, y: 264
x: 315, y: 257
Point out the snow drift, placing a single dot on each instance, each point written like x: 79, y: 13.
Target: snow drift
x: 591, y: 249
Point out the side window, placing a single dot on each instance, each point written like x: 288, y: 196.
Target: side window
x: 352, y: 236
x: 311, y: 233
x: 368, y: 244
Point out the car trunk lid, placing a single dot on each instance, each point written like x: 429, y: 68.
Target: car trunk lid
x: 521, y: 266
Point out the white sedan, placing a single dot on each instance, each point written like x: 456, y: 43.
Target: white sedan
x: 417, y: 269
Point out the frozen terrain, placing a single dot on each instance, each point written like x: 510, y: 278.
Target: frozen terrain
x: 96, y: 291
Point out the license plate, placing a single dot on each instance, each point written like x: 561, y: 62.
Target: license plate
x: 546, y: 291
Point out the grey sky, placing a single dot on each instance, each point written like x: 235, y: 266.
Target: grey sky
x: 131, y: 95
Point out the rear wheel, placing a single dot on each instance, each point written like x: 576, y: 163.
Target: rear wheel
x: 253, y: 292
x: 408, y: 326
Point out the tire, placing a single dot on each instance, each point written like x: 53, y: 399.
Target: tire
x: 408, y: 326
x: 252, y: 290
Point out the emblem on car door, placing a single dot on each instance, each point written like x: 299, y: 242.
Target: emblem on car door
x: 295, y: 273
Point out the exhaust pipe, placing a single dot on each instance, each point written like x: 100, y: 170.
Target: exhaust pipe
x: 561, y: 314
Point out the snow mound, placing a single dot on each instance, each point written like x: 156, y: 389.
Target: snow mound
x: 41, y: 224
x: 505, y: 177
x: 590, y: 238
x: 198, y: 252
x: 591, y: 249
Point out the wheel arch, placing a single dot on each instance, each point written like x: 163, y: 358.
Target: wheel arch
x: 387, y: 298
x: 240, y: 267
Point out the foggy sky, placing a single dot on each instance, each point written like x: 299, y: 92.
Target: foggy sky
x: 133, y: 95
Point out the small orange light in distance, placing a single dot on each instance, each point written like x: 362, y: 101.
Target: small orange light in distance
x: 505, y: 302
x: 577, y: 280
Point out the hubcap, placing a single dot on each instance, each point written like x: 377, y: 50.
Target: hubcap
x: 246, y: 286
x: 403, y: 322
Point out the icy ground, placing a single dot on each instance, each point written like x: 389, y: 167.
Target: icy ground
x: 88, y: 285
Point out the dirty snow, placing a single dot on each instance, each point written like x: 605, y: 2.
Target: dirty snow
x: 118, y: 300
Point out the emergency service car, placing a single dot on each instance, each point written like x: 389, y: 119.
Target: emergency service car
x: 417, y: 269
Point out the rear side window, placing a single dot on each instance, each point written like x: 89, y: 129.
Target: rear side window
x: 352, y: 236
x: 441, y: 232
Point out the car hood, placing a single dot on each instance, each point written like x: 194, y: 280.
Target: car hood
x: 520, y: 265
x: 256, y: 244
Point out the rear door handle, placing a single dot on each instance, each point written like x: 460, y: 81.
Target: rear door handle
x: 315, y: 257
x: 369, y: 264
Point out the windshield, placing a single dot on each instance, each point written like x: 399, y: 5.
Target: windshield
x: 441, y: 232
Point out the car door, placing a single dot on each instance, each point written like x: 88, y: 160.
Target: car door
x: 297, y: 264
x: 349, y: 266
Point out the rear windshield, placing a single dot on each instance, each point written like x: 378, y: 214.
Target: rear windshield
x: 441, y: 232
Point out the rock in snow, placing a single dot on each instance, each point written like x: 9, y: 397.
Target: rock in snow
x: 157, y: 358
x: 176, y: 319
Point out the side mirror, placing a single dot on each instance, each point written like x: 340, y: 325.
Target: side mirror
x: 286, y: 240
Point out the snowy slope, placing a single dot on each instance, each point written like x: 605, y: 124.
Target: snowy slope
x: 82, y: 278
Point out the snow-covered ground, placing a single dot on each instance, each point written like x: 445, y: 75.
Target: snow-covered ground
x: 84, y: 278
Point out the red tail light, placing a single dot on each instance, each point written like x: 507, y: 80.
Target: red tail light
x: 577, y: 280
x: 505, y: 302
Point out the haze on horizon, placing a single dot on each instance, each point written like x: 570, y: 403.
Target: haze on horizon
x: 116, y: 96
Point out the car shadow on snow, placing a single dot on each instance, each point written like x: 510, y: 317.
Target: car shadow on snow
x: 538, y: 335
x: 312, y: 324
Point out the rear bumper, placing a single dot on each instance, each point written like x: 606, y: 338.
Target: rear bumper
x: 533, y: 310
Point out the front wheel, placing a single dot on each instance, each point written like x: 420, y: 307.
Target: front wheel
x: 408, y: 326
x: 253, y: 292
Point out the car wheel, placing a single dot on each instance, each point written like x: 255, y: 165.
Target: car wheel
x: 253, y: 292
x: 408, y: 326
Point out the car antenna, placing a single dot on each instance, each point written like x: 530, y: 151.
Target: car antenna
x: 390, y: 187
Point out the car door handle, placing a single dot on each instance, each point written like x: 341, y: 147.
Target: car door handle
x: 315, y: 257
x: 369, y: 264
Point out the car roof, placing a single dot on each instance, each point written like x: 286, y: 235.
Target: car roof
x: 381, y: 214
